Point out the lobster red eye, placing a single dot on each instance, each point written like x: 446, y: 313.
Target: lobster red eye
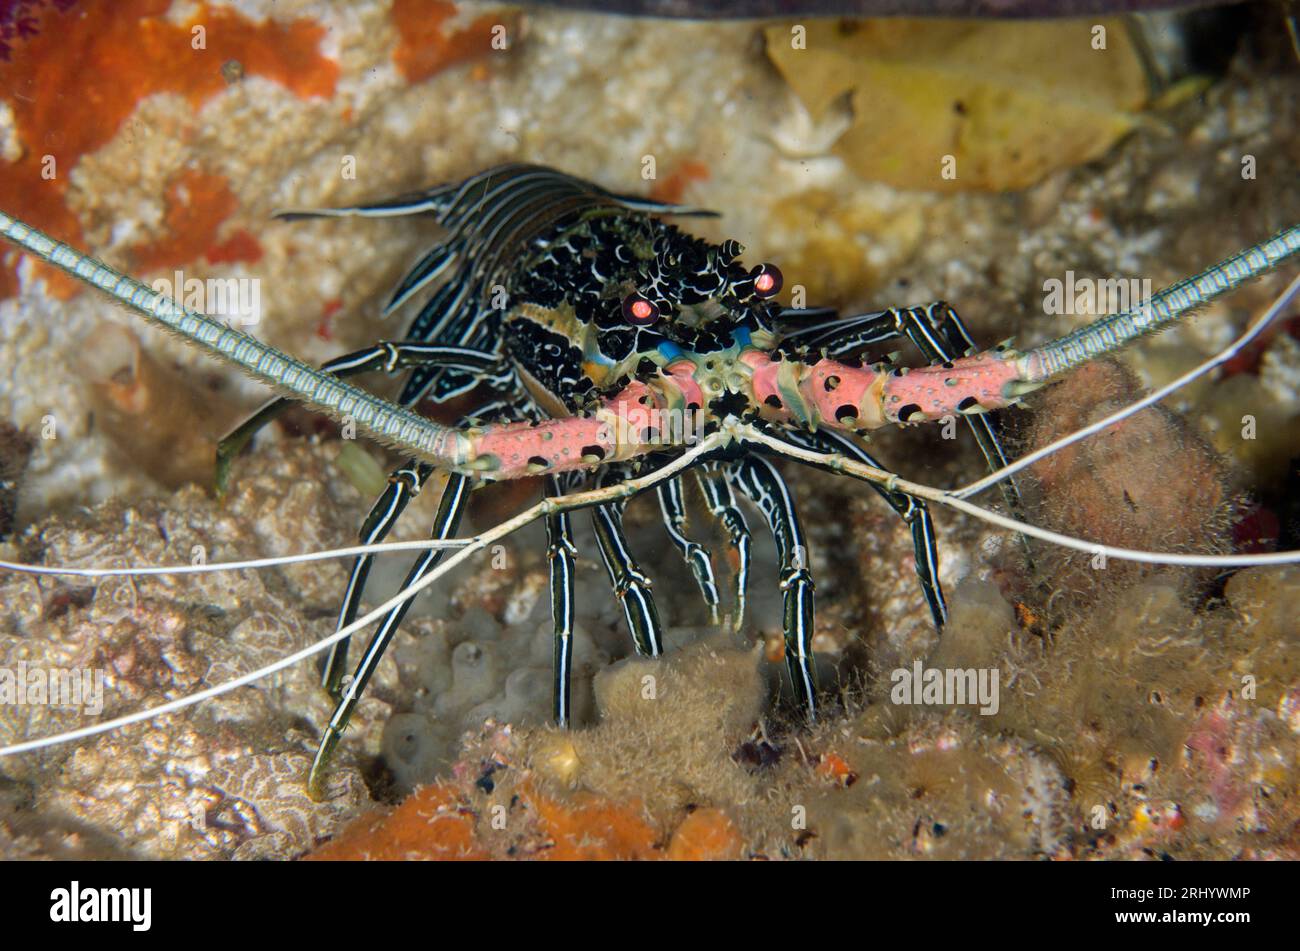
x: 767, y: 281
x: 639, y: 310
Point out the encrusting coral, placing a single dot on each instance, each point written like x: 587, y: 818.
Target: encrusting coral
x: 224, y: 779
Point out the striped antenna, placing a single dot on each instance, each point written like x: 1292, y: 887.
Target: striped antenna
x: 392, y: 425
x: 1111, y: 333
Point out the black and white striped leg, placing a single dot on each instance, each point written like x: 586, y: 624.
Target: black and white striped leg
x: 698, y: 559
x: 631, y: 585
x: 758, y: 480
x: 455, y: 499
x: 841, y: 338
x: 913, y: 511
x: 403, y: 485
x: 722, y: 504
x: 562, y: 556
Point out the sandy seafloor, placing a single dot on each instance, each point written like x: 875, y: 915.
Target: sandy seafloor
x: 1144, y: 713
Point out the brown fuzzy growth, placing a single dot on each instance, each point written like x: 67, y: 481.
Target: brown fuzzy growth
x: 1149, y: 482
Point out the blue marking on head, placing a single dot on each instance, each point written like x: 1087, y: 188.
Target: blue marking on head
x: 741, y: 336
x: 669, y: 350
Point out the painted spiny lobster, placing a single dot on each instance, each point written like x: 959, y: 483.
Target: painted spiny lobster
x: 595, y: 332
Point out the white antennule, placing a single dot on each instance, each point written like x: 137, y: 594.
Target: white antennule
x: 206, y: 567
